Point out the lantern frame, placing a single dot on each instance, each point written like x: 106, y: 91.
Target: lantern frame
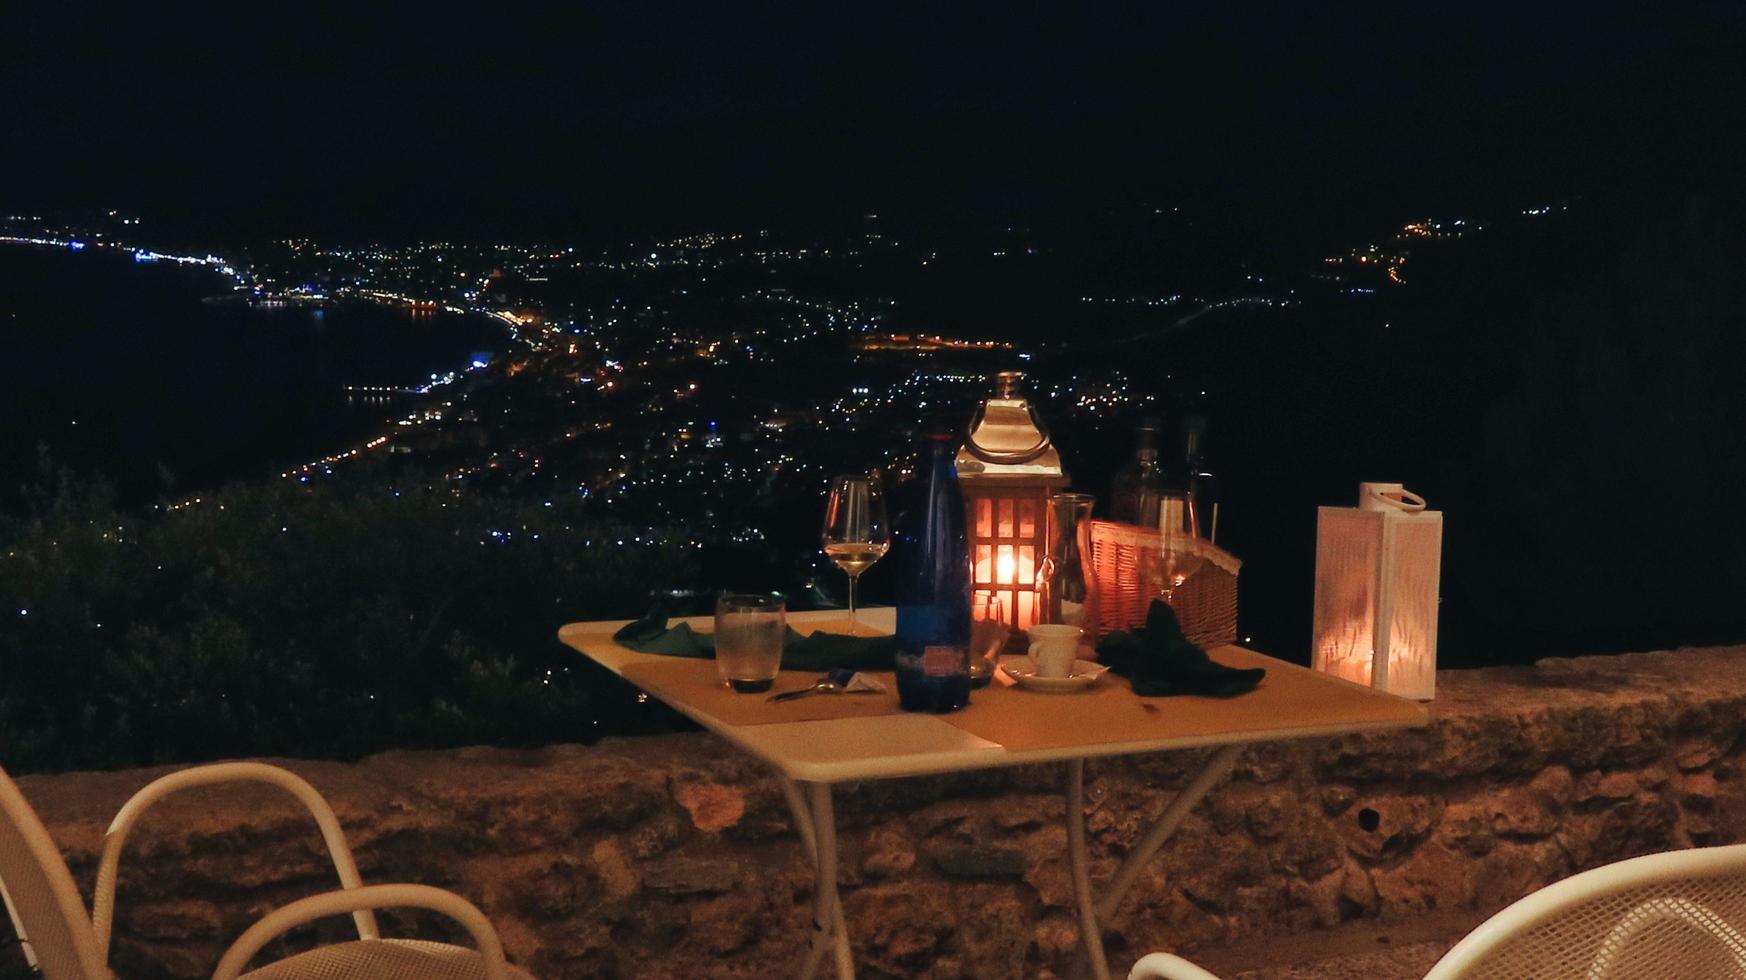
x: 1008, y: 530
x: 1007, y: 469
x: 1378, y: 571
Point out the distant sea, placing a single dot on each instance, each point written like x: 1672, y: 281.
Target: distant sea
x: 120, y: 368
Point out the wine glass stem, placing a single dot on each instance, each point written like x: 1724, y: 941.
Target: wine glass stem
x: 853, y: 578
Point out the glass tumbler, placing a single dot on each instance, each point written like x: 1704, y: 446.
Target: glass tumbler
x: 749, y: 629
x: 988, y: 634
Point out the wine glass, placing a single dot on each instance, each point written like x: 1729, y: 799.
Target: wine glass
x: 856, y: 533
x: 988, y: 634
x: 1179, y: 554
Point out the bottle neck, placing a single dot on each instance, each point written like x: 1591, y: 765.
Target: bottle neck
x: 937, y: 455
x: 1147, y: 450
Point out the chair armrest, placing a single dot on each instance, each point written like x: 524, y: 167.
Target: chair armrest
x: 1165, y: 966
x: 103, y: 901
x: 354, y: 900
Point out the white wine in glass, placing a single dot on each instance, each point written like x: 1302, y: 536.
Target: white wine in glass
x: 855, y: 557
x: 856, y: 532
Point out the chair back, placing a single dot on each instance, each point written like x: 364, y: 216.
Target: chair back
x: 1678, y: 914
x: 40, y: 894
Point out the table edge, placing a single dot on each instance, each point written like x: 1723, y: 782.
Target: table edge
x: 925, y: 764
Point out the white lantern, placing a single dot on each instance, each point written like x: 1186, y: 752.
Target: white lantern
x: 1377, y: 571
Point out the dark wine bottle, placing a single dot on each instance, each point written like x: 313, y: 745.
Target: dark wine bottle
x: 933, y: 588
x: 1134, y: 496
x: 1202, y: 482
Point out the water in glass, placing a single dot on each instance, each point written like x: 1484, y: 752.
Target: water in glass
x: 749, y: 630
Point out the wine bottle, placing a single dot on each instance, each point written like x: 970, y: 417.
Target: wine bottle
x: 1134, y: 496
x: 933, y: 588
x: 1202, y: 483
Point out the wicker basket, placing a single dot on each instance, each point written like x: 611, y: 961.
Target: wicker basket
x: 1124, y: 585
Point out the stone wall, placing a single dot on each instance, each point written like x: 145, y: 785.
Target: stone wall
x: 673, y: 856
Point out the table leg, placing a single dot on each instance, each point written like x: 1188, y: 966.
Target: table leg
x: 1079, y: 860
x: 816, y: 823
x: 1090, y: 911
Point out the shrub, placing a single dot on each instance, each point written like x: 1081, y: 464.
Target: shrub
x: 325, y: 621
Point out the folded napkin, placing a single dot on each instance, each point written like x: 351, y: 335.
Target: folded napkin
x: 816, y: 651
x: 1160, y: 661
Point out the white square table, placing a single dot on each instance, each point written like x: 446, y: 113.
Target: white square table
x: 818, y: 742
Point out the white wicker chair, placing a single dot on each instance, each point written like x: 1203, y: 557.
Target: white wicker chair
x: 41, y: 898
x: 64, y: 944
x: 1676, y: 914
x: 1165, y: 966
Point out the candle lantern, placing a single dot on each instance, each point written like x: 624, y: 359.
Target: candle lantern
x: 1377, y: 571
x: 1006, y: 469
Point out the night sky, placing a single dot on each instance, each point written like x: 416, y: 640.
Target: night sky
x: 631, y: 119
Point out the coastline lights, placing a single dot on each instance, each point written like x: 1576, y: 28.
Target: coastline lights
x: 1006, y: 469
x: 1377, y: 574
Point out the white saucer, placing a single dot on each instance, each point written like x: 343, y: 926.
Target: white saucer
x: 1024, y: 673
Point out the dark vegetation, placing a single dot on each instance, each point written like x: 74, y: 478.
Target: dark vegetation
x: 275, y: 618
x: 1566, y: 389
x: 1611, y: 448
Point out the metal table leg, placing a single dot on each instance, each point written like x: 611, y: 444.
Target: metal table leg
x: 1079, y: 860
x: 1090, y: 910
x: 817, y: 825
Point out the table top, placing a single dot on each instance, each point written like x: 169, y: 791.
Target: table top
x: 836, y: 738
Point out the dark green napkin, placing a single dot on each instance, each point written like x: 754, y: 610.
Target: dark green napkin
x: 824, y: 651
x: 1159, y: 661
x: 651, y: 635
x: 817, y: 651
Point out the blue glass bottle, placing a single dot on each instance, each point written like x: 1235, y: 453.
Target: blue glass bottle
x: 933, y: 589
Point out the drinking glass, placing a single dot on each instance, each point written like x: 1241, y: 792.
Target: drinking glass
x: 1179, y: 554
x: 988, y: 634
x: 749, y: 629
x: 856, y: 532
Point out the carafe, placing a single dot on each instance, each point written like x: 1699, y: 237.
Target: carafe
x: 1063, y: 578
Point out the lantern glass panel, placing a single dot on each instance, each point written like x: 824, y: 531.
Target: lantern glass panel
x: 1008, y: 529
x: 1348, y: 551
x: 1416, y: 546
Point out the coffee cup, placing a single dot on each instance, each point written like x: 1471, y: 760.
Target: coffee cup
x: 1054, y: 647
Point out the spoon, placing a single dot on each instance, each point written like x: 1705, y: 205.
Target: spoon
x: 835, y: 682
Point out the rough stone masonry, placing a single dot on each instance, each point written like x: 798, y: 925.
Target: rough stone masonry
x: 673, y: 856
